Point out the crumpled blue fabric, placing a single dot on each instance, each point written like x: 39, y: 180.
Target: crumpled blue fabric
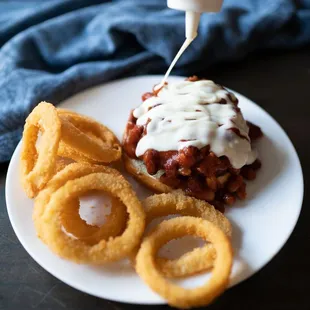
x: 51, y: 49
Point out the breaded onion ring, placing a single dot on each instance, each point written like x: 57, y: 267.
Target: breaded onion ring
x: 37, y: 167
x: 70, y: 172
x: 199, y: 259
x: 175, y: 228
x: 114, y: 225
x: 85, y: 140
x: 106, y: 250
x: 61, y: 163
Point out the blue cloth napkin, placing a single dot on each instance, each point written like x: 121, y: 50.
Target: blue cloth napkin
x: 54, y: 48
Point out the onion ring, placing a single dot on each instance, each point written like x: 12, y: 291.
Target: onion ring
x: 177, y: 203
x: 38, y: 166
x: 114, y: 225
x: 86, y: 140
x: 175, y: 228
x: 70, y: 172
x: 61, y: 163
x: 104, y: 251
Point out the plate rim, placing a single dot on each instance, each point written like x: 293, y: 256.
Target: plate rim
x: 159, y: 302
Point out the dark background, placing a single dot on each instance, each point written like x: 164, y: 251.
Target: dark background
x: 279, y: 82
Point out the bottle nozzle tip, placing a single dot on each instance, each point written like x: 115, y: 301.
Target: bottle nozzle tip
x: 191, y: 24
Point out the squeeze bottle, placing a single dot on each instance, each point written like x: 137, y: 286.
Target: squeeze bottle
x: 193, y: 10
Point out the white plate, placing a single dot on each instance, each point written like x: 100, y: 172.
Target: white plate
x: 262, y: 224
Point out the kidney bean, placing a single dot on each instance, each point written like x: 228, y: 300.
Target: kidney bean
x: 234, y: 170
x: 165, y: 156
x: 205, y: 194
x: 248, y: 173
x: 131, y: 139
x: 212, y: 182
x: 229, y: 199
x: 222, y: 180
x: 222, y: 166
x: 151, y: 161
x: 241, y: 192
x: 254, y: 131
x: 209, y: 165
x: 234, y: 183
x: 173, y: 182
x: 188, y: 156
x: 171, y: 167
x: 194, y: 185
x: 256, y: 165
x: 185, y: 171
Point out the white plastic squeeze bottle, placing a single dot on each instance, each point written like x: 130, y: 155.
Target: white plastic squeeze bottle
x: 193, y: 9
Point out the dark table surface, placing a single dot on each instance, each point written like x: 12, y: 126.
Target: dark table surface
x: 279, y: 82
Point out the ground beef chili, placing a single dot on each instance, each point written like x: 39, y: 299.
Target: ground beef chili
x: 199, y: 172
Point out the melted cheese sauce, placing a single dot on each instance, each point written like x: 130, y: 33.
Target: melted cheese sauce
x: 185, y: 45
x: 189, y: 114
